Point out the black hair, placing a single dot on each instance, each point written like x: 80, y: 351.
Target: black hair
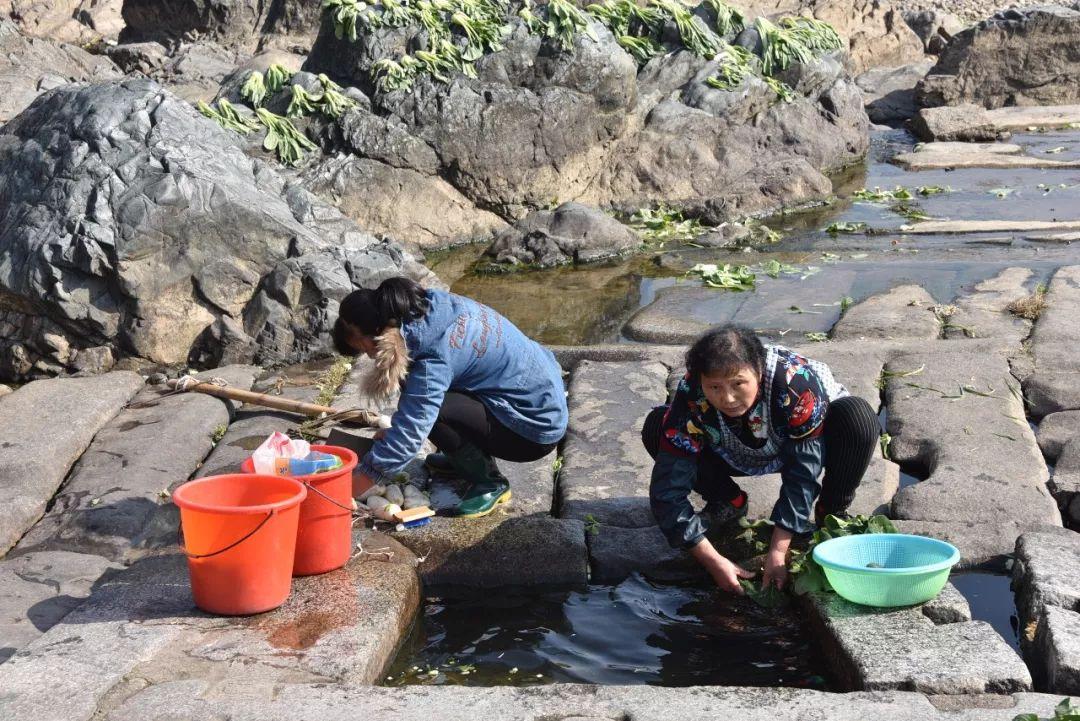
x: 725, y: 349
x: 395, y: 302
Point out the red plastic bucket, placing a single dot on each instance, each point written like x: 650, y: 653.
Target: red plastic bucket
x: 324, y: 537
x: 240, y: 536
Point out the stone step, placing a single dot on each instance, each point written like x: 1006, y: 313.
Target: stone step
x: 980, y: 454
x: 892, y: 649
x: 1046, y: 577
x: 984, y: 311
x: 947, y: 227
x: 903, y: 312
x: 46, y: 426
x: 342, y: 626
x: 1053, y: 386
x: 118, y: 484
x: 606, y: 470
x: 1039, y: 116
x: 929, y: 157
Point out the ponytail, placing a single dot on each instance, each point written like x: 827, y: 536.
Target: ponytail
x: 394, y: 303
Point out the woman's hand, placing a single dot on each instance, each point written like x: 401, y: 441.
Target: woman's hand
x: 724, y: 572
x: 775, y: 570
x: 776, y: 559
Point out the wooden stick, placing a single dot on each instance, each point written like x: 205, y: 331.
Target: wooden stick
x: 313, y: 410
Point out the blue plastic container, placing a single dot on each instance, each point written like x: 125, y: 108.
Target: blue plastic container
x: 886, y: 569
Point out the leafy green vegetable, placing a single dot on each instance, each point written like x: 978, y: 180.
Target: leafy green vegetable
x: 770, y: 597
x: 283, y: 137
x: 783, y: 91
x: 780, y: 47
x: 344, y: 14
x: 841, y: 226
x: 729, y: 21
x: 333, y: 102
x: 877, y: 195
x: 276, y: 77
x: 664, y: 224
x: 302, y: 102
x: 697, y: 39
x: 726, y: 276
x: 254, y: 89
x: 933, y: 189
x: 910, y: 212
x: 228, y: 117
x: 1064, y: 711
x: 885, y: 440
x: 565, y: 21
x: 817, y: 337
x: 642, y: 49
x: 805, y: 573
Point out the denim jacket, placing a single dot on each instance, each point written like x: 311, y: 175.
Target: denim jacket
x: 464, y: 346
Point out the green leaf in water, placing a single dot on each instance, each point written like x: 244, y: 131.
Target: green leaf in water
x: 817, y: 337
x: 726, y: 276
x: 842, y: 226
x: 770, y: 597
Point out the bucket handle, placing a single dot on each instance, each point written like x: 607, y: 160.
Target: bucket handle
x: 249, y: 534
x: 327, y: 498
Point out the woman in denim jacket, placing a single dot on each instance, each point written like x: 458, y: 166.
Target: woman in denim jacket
x: 469, y: 380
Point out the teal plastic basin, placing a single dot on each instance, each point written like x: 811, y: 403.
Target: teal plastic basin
x: 886, y: 569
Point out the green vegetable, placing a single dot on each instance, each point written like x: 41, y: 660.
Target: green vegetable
x: 283, y: 137
x: 302, y: 102
x: 694, y: 37
x: 345, y: 14
x: 729, y: 21
x: 254, y: 89
x: 565, y: 21
x: 845, y: 227
x: 642, y: 49
x: 932, y: 189
x: 332, y: 103
x: 805, y: 573
x: 664, y: 224
x: 736, y: 64
x: 726, y: 276
x: 780, y: 47
x: 276, y: 77
x: 817, y: 337
x: 1064, y: 711
x: 878, y: 195
x: 783, y: 91
x: 819, y: 37
x: 770, y: 597
x: 227, y: 117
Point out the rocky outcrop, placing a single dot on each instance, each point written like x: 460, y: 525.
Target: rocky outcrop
x: 875, y: 30
x: 571, y: 233
x: 539, y: 124
x: 69, y: 21
x: 129, y: 221
x: 890, y: 92
x: 242, y: 24
x: 934, y: 27
x: 1016, y: 57
x: 965, y: 123
x: 30, y: 66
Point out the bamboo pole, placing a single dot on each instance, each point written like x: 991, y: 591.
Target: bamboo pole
x: 357, y: 416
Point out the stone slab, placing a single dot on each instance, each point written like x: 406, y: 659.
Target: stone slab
x: 1057, y: 651
x: 532, y: 486
x: 1065, y: 483
x: 116, y: 487
x: 681, y: 313
x: 952, y: 146
x: 572, y: 702
x: 883, y: 649
x: 979, y: 454
x: 38, y: 589
x: 949, y: 227
x: 1063, y: 238
x: 949, y: 606
x: 1045, y: 116
x: 903, y: 312
x: 1046, y: 572
x: 856, y: 363
x: 1055, y: 384
x: 570, y: 355
x: 606, y: 470
x: 940, y: 159
x: 983, y: 311
x: 982, y: 546
x: 1055, y: 430
x: 46, y: 425
x: 499, y: 550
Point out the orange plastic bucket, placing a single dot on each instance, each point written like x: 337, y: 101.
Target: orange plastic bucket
x: 324, y: 538
x: 240, y: 537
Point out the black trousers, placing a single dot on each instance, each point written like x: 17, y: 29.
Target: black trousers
x: 464, y: 418
x: 850, y: 433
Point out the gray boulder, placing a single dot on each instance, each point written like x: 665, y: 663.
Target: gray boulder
x: 934, y: 27
x: 539, y: 123
x: 129, y: 221
x: 246, y: 24
x: 1017, y: 57
x: 30, y: 66
x: 963, y: 123
x: 889, y: 93
x: 572, y: 233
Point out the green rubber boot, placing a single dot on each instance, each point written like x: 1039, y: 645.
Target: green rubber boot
x: 487, y: 486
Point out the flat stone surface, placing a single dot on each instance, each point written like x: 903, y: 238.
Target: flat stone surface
x: 949, y: 606
x: 1055, y: 384
x: 1056, y: 430
x: 983, y: 312
x: 1065, y: 238
x: 46, y: 426
x: 959, y: 147
x: 532, y: 486
x: 995, y: 707
x: 570, y: 355
x: 572, y: 702
x: 1046, y: 116
x: 681, y: 313
x: 982, y: 546
x: 856, y: 363
x: 945, y: 227
x: 499, y: 550
x: 881, y: 649
x: 979, y: 453
x: 903, y: 312
x: 38, y: 589
x: 1065, y: 483
x: 606, y: 470
x: 941, y: 159
x: 116, y: 487
x: 1057, y: 650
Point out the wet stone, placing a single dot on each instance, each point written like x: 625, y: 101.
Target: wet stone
x: 1057, y: 650
x: 984, y: 311
x: 903, y: 312
x: 46, y: 425
x: 1065, y: 483
x: 118, y: 484
x: 606, y: 470
x: 1056, y: 430
x: 958, y: 421
x: 682, y: 313
x: 499, y: 550
x: 38, y: 589
x: 1053, y: 386
x: 929, y: 157
x: 879, y: 649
